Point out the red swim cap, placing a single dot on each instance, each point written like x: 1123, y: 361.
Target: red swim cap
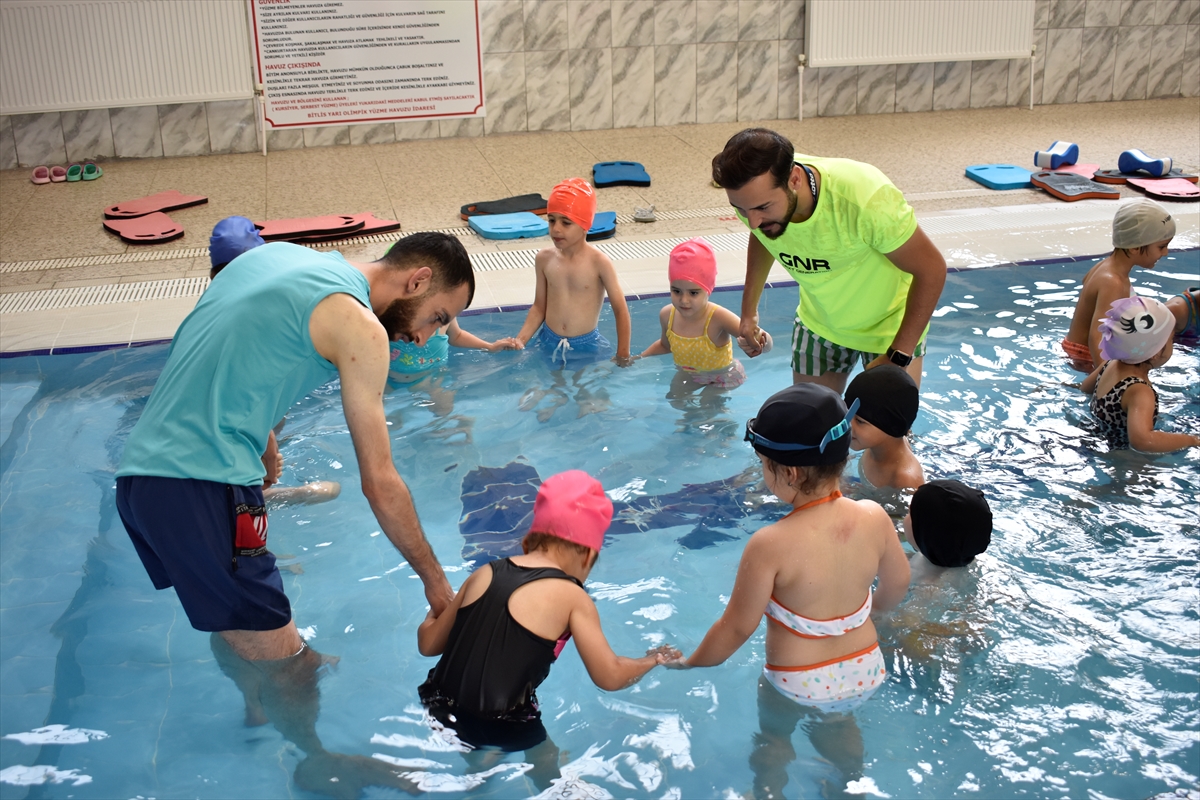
x: 575, y: 199
x: 572, y: 506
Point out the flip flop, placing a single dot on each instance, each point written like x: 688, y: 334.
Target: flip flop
x: 334, y: 226
x: 1168, y: 189
x: 149, y: 229
x: 58, y: 174
x: 532, y: 203
x: 91, y: 172
x: 40, y: 175
x: 163, y: 201
x: 1070, y: 187
x: 74, y: 173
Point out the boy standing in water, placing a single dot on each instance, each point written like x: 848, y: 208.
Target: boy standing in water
x: 888, y: 401
x: 572, y: 280
x: 1142, y: 229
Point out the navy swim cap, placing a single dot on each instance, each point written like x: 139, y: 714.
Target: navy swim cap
x: 231, y: 237
x: 803, y: 426
x: 951, y: 522
x: 889, y: 398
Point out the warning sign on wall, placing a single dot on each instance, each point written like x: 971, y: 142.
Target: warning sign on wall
x: 336, y: 62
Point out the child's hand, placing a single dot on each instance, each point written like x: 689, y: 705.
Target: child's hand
x: 507, y: 343
x: 667, y: 656
x: 756, y: 346
x: 625, y: 360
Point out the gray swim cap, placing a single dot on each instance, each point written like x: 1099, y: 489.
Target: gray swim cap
x: 1141, y: 222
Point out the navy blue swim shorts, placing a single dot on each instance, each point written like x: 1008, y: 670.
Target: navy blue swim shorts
x: 209, y: 541
x: 574, y: 352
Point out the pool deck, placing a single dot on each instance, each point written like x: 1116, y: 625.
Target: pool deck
x: 68, y: 285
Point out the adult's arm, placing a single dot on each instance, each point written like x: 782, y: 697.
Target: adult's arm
x: 351, y: 337
x: 758, y: 265
x: 921, y: 259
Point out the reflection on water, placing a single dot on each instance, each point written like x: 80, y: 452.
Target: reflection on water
x: 1061, y: 662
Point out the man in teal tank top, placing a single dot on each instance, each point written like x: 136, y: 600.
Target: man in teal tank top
x: 869, y: 276
x: 281, y: 321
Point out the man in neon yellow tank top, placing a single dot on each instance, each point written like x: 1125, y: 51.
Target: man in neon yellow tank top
x: 869, y: 276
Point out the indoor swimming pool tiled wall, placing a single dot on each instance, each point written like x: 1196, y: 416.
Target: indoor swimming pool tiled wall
x: 569, y: 65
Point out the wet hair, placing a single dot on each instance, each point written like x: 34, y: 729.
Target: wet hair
x: 543, y: 541
x: 751, y: 153
x: 442, y: 253
x: 812, y: 477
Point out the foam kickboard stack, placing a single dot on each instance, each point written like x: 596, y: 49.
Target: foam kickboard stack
x: 144, y: 220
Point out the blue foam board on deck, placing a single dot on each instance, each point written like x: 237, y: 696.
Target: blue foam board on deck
x: 619, y: 173
x: 604, y: 225
x: 509, y: 226
x: 1000, y: 176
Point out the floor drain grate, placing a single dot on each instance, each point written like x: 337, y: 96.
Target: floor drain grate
x: 649, y: 248
x: 79, y: 296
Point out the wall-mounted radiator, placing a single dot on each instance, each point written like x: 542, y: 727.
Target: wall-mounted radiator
x: 842, y: 33
x: 76, y: 54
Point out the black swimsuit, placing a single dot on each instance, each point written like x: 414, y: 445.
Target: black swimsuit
x: 1114, y: 420
x: 485, y: 683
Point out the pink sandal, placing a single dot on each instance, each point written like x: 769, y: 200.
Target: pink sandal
x: 58, y: 174
x: 40, y: 175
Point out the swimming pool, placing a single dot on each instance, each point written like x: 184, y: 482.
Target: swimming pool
x: 1062, y: 663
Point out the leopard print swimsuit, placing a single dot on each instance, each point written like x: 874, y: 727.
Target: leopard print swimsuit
x: 1114, y: 420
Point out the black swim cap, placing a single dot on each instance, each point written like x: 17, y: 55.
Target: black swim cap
x: 951, y: 523
x: 889, y: 398
x: 805, y: 425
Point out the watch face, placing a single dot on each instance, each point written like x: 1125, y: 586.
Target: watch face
x: 900, y: 359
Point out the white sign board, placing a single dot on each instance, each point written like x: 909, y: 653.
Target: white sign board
x: 338, y: 62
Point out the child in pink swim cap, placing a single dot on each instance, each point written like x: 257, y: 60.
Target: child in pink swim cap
x: 1137, y: 334
x: 511, y: 619
x: 698, y: 333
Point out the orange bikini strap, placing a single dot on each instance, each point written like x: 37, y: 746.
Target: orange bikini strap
x: 834, y: 495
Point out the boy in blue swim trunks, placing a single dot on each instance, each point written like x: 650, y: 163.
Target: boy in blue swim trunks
x: 572, y: 280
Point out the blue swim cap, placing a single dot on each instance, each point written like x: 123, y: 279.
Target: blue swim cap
x: 231, y: 237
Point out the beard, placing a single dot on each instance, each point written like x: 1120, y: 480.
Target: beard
x: 397, y: 318
x: 779, y: 226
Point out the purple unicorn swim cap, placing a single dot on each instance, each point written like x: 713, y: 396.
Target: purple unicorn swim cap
x: 1134, y: 329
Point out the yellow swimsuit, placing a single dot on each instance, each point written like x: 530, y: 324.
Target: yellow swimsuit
x: 698, y: 353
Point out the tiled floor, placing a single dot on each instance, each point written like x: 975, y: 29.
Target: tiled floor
x: 423, y: 183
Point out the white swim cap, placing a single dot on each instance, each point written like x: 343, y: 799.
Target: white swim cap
x: 1141, y: 222
x: 1134, y: 329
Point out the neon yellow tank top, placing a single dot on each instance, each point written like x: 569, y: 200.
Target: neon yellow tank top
x: 698, y: 353
x: 850, y: 293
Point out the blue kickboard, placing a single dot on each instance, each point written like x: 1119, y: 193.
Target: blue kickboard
x: 604, y: 225
x: 619, y: 173
x: 509, y: 226
x: 1000, y: 176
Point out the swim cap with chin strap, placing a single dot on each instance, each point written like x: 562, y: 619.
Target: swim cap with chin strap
x: 575, y: 199
x: 695, y: 261
x: 1135, y: 329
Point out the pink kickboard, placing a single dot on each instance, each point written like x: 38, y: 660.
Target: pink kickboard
x: 1169, y: 189
x: 163, y: 201
x: 371, y: 224
x: 1086, y: 170
x: 146, y: 229
x: 287, y: 230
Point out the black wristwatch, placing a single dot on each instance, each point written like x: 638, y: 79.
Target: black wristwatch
x: 898, y: 358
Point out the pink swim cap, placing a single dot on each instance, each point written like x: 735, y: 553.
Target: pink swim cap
x: 575, y: 199
x: 572, y: 506
x: 695, y: 261
x: 1134, y: 329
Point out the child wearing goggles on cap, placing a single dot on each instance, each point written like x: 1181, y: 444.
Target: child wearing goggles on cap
x: 699, y: 333
x: 888, y: 401
x: 511, y: 619
x: 1142, y: 230
x: 1136, y: 335
x: 811, y: 574
x: 572, y: 280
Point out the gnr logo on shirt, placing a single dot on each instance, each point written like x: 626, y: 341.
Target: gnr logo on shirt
x: 806, y: 264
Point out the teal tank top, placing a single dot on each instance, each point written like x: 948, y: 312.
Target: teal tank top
x: 236, y: 364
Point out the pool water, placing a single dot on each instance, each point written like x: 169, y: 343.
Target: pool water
x: 1062, y: 663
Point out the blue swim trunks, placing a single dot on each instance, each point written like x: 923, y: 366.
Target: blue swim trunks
x: 209, y: 541
x: 574, y: 352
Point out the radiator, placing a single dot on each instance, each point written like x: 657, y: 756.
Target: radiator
x: 843, y: 33
x: 63, y: 55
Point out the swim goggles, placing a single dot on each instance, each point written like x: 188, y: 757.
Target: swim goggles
x: 836, y: 432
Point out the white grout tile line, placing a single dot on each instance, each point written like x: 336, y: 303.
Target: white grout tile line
x: 79, y: 296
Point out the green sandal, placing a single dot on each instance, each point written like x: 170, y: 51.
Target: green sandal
x: 74, y: 173
x: 91, y: 172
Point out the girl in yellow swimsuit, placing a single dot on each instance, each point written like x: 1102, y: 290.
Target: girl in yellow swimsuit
x: 699, y: 334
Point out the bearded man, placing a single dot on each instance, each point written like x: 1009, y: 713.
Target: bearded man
x: 869, y: 277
